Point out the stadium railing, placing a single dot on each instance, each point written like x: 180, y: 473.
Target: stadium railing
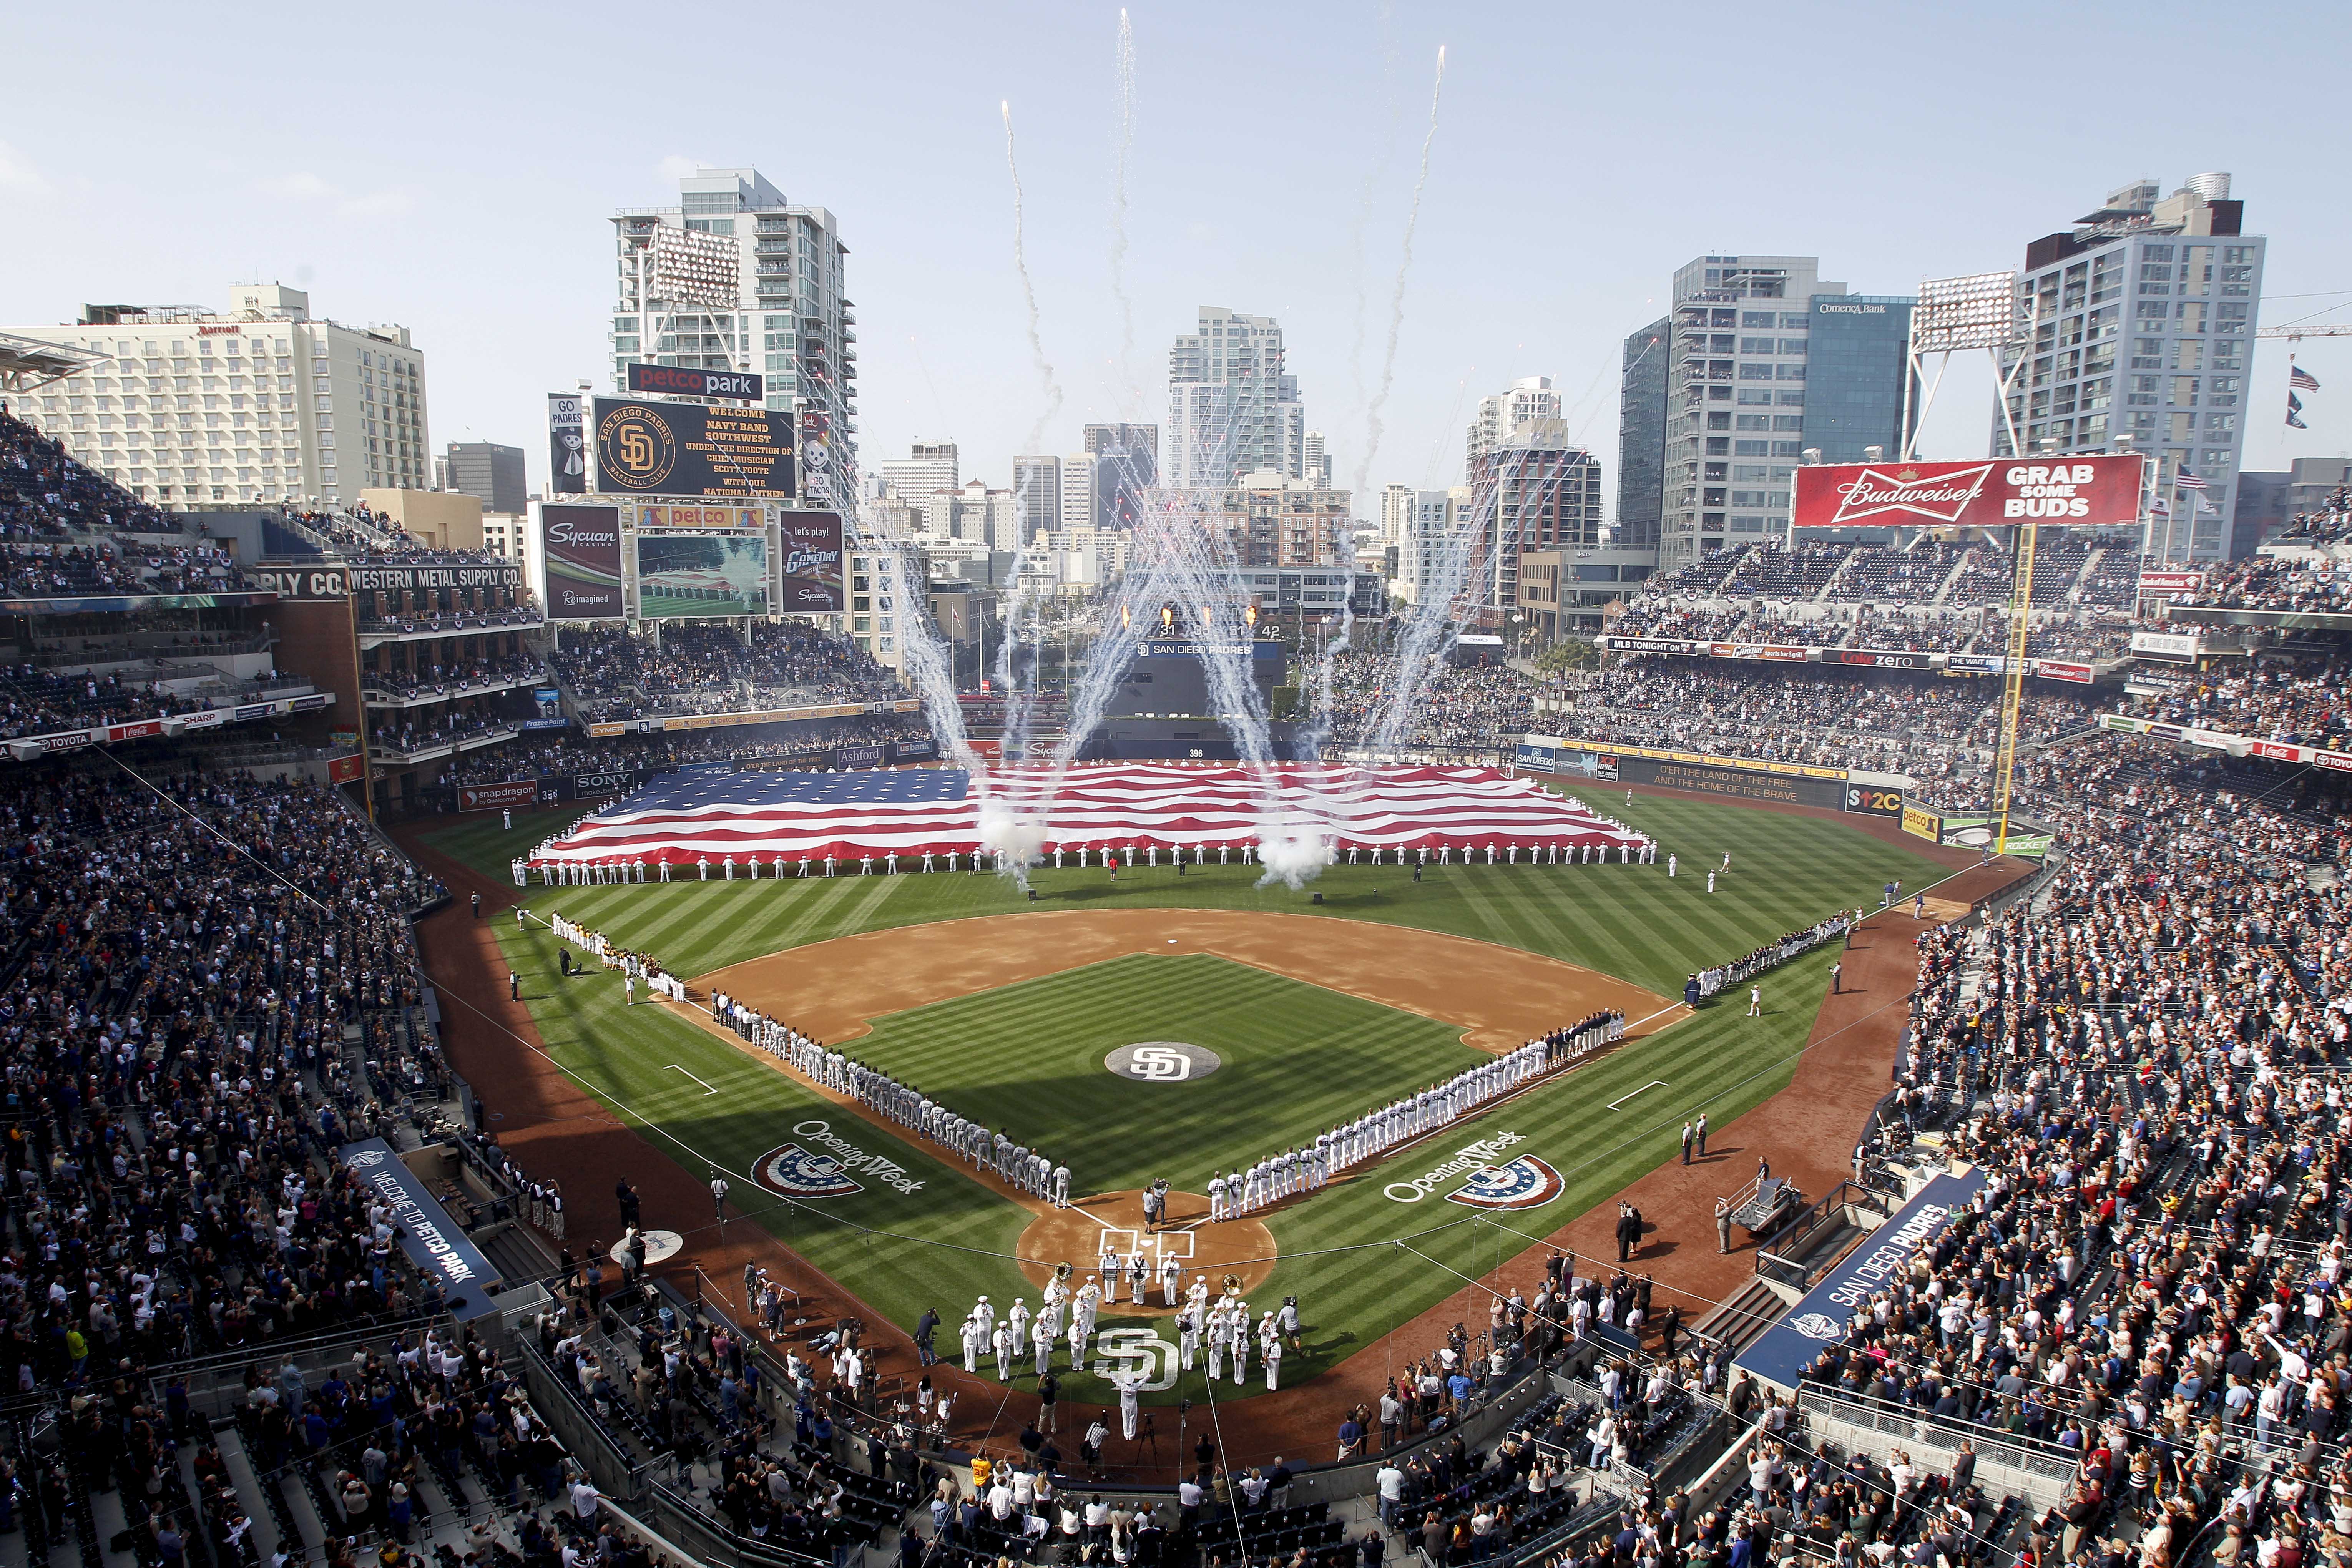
x: 560, y: 1402
x: 1794, y: 1255
x: 710, y: 1539
x: 215, y: 1383
x: 2038, y: 1470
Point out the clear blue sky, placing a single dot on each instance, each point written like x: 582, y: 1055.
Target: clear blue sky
x: 454, y: 168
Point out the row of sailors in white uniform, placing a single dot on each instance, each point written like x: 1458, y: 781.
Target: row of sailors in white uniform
x: 598, y: 873
x: 632, y: 964
x: 1225, y: 1324
x: 1015, y: 1164
x: 1293, y: 1170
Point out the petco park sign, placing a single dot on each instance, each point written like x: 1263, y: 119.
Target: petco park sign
x: 2092, y: 493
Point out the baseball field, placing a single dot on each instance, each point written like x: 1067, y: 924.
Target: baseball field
x: 1004, y: 1010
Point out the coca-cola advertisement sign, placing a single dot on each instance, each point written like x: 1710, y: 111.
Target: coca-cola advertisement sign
x: 2087, y: 491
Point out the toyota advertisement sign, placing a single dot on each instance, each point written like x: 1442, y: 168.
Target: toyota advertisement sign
x: 581, y: 547
x: 2087, y: 491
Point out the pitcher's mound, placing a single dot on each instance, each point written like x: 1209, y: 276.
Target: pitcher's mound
x: 1075, y: 1234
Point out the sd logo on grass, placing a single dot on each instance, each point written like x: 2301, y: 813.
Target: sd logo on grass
x: 1163, y: 1061
x: 798, y: 1174
x: 1525, y: 1183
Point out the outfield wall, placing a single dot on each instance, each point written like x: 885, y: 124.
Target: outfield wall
x: 1739, y: 778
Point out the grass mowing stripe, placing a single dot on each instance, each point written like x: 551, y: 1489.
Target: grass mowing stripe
x: 1302, y: 1058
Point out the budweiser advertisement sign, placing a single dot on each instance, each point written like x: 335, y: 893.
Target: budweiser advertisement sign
x: 2090, y: 492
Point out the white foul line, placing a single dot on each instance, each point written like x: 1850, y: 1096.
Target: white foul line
x: 675, y: 1068
x: 1654, y: 1083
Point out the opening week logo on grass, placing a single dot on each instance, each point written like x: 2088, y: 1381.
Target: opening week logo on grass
x: 1522, y: 1183
x: 824, y: 1171
x: 1525, y: 1183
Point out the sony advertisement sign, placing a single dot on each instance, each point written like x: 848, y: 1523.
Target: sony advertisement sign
x: 2086, y: 491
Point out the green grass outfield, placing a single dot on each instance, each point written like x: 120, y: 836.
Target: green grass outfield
x: 1029, y: 1054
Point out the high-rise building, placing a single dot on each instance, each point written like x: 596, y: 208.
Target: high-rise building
x: 1271, y: 520
x: 1079, y: 491
x: 2142, y: 324
x: 1396, y: 510
x: 1642, y: 436
x: 1127, y: 464
x: 1036, y: 495
x: 1231, y: 411
x: 260, y: 402
x: 1860, y: 356
x: 1429, y: 523
x: 487, y: 470
x: 737, y: 278
x: 1315, y: 463
x: 1721, y: 438
x: 1529, y: 397
x: 928, y: 468
x: 1534, y: 489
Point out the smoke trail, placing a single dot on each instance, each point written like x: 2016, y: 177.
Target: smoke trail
x: 1029, y: 295
x: 1386, y: 27
x: 1124, y: 67
x: 1396, y: 302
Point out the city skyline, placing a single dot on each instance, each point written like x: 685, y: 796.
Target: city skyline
x: 1508, y: 279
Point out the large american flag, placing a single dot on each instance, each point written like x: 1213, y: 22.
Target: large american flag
x: 687, y: 818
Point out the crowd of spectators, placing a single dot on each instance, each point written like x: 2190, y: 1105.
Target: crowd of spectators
x: 2298, y: 700
x: 2327, y: 523
x: 454, y: 679
x: 37, y: 702
x: 411, y: 731
x: 2147, y: 1064
x: 713, y: 669
x: 532, y: 758
x: 2320, y: 584
x: 46, y: 495
x: 183, y: 962
x: 1464, y: 707
x: 1889, y: 721
x: 48, y: 569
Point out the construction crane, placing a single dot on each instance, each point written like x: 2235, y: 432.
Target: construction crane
x: 2291, y: 334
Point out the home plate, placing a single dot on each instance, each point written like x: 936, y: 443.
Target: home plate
x: 1654, y: 1083
x: 660, y: 1245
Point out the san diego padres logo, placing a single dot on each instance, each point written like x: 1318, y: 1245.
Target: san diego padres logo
x: 1162, y: 1061
x: 636, y: 449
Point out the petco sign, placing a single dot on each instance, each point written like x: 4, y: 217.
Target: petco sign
x: 2094, y: 493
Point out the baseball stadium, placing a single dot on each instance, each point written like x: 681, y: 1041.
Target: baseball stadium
x: 743, y: 1012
